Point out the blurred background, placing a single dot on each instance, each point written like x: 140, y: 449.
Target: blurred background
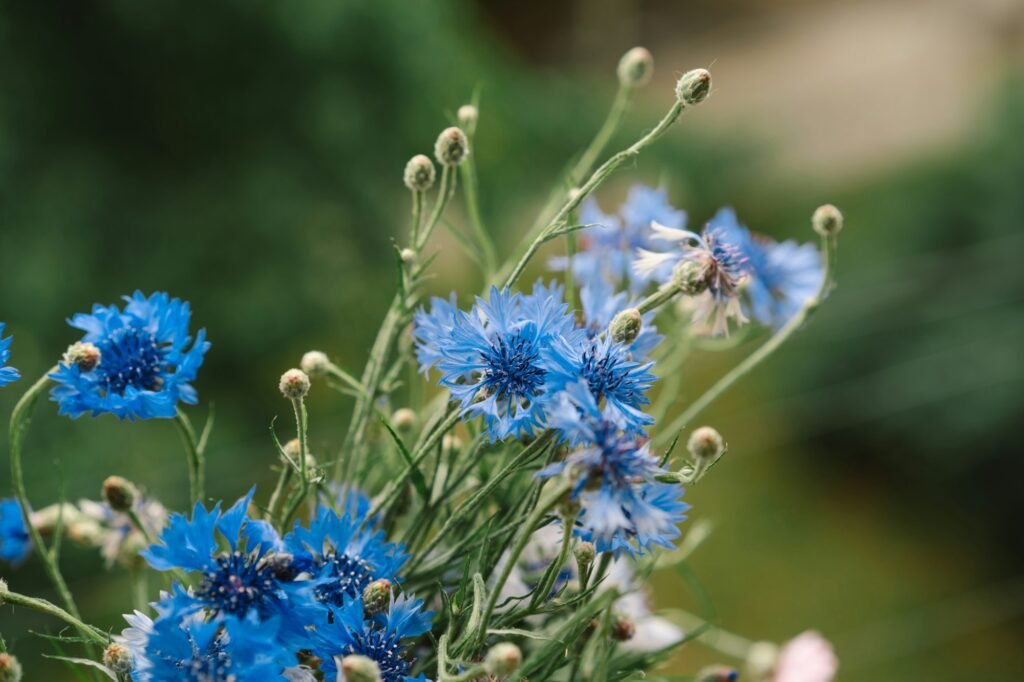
x: 248, y: 156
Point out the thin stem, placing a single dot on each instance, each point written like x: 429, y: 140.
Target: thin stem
x: 766, y: 349
x: 658, y: 299
x: 91, y: 633
x: 604, y: 135
x: 417, y: 212
x: 196, y: 461
x: 299, y: 408
x: 469, y: 188
x: 282, y: 483
x: 550, y: 577
x: 137, y: 522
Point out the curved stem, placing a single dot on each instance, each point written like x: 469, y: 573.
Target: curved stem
x: 196, y: 461
x: 91, y: 633
x: 299, y: 408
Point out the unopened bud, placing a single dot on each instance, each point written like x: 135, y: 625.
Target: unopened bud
x: 315, y: 363
x: 119, y: 493
x: 626, y: 326
x: 294, y: 384
x: 585, y: 553
x: 636, y: 67
x: 451, y: 147
x: 10, y: 668
x: 419, y: 173
x: 717, y: 673
x: 377, y: 596
x: 84, y: 354
x: 503, y: 659
x: 623, y: 628
x: 468, y: 116
x: 407, y: 256
x: 451, y: 442
x: 693, y: 87
x: 761, y: 660
x: 705, y: 444
x: 118, y: 658
x: 827, y: 220
x: 293, y: 448
x: 3, y: 591
x: 692, y: 276
x: 357, y: 668
x: 403, y: 419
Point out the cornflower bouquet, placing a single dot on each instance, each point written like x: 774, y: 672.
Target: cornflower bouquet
x: 503, y: 527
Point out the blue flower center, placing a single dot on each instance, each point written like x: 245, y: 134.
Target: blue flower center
x: 513, y: 370
x: 605, y: 376
x: 384, y: 650
x: 131, y: 357
x: 350, y: 575
x: 239, y: 583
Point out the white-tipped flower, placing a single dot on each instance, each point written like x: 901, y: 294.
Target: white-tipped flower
x: 693, y: 87
x: 10, y: 668
x: 467, y: 116
x: 294, y: 384
x: 315, y: 363
x: 84, y: 354
x: 626, y: 326
x: 827, y: 220
x: 377, y: 596
x: 636, y: 67
x: 360, y: 669
x: 118, y: 658
x: 503, y: 659
x: 119, y: 493
x: 706, y: 444
x: 419, y: 173
x: 451, y: 147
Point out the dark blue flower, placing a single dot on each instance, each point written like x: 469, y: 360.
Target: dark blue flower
x: 147, y: 362
x: 15, y: 543
x: 378, y: 637
x: 190, y: 648
x: 253, y: 576
x: 492, y: 360
x: 7, y: 374
x: 623, y: 507
x: 343, y: 554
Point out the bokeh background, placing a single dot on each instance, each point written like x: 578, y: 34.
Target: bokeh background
x: 247, y: 157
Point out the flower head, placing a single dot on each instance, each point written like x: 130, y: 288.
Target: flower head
x: 808, y: 657
x: 118, y: 538
x: 148, y: 360
x: 7, y: 374
x: 15, y: 543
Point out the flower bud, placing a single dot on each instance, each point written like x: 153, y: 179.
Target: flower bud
x: 451, y: 442
x: 636, y: 68
x: 294, y: 384
x: 827, y: 220
x: 119, y: 493
x: 761, y: 659
x: 693, y: 87
x: 407, y: 256
x: 585, y: 553
x: 377, y: 596
x: 315, y: 363
x: 623, y: 628
x: 692, y: 276
x: 357, y: 668
x: 626, y: 326
x: 451, y: 147
x: 419, y: 173
x: 403, y: 419
x: 706, y: 444
x: 3, y: 591
x: 118, y: 658
x: 717, y: 673
x: 84, y: 354
x: 503, y: 659
x: 468, y: 116
x: 10, y: 668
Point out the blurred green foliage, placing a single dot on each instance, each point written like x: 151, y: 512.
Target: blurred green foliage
x: 247, y: 157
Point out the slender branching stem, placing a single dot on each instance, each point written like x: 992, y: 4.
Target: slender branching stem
x: 196, y: 460
x: 93, y: 634
x: 299, y: 408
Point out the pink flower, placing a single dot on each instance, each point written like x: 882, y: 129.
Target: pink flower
x: 808, y: 657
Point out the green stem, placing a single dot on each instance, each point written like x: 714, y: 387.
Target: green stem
x: 658, y: 299
x: 299, y: 408
x: 91, y: 633
x: 137, y: 522
x: 469, y: 188
x: 604, y: 135
x: 766, y: 349
x: 196, y: 461
x: 550, y: 577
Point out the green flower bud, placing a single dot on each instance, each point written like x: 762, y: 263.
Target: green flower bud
x: 585, y: 553
x: 626, y: 326
x: 706, y: 444
x: 84, y: 354
x: 403, y: 419
x: 315, y: 363
x: 377, y: 596
x: 636, y: 68
x: 119, y: 493
x: 693, y: 87
x: 692, y: 276
x: 451, y: 147
x: 360, y: 669
x: 623, y: 628
x: 10, y: 669
x: 827, y: 220
x: 419, y: 173
x: 118, y: 658
x: 407, y: 256
x: 503, y: 659
x: 294, y: 384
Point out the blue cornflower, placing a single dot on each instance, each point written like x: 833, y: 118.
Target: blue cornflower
x: 601, y: 305
x: 254, y: 576
x: 623, y: 507
x: 378, y: 637
x: 15, y: 543
x: 147, y: 360
x: 432, y: 329
x: 7, y: 374
x: 344, y: 555
x: 492, y: 358
x: 190, y: 648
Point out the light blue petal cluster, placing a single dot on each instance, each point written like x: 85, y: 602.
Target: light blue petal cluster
x: 15, y: 543
x: 7, y: 374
